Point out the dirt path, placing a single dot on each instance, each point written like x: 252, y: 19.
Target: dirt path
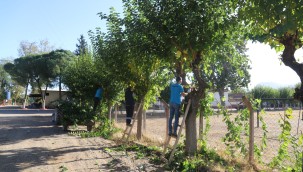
x: 30, y: 142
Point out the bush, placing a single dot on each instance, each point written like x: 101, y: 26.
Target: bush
x: 75, y: 113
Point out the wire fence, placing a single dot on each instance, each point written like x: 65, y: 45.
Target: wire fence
x: 273, y: 111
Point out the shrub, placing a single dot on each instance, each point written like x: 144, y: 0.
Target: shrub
x: 75, y: 113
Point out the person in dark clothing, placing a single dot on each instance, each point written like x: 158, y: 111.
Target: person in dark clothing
x: 129, y: 105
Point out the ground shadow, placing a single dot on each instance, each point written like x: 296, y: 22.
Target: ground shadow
x: 33, y: 157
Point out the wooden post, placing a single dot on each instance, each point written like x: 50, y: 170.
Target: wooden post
x: 116, y: 113
x: 251, y: 129
x: 144, y: 120
x: 258, y: 121
x: 109, y: 108
x: 166, y: 142
x: 201, y: 124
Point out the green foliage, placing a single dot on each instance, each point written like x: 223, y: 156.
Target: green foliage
x: 125, y: 58
x: 285, y: 18
x: 285, y: 141
x: 205, y: 160
x: 237, y: 126
x: 297, y: 145
x: 62, y: 168
x: 286, y: 92
x: 281, y: 28
x: 81, y: 77
x: 227, y: 66
x: 5, y: 82
x: 260, y: 92
x: 258, y: 150
x: 106, y: 128
x: 207, y: 111
x: 152, y: 152
x: 75, y: 113
x: 39, y: 70
x: 82, y: 47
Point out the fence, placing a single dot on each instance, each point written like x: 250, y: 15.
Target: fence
x: 273, y: 111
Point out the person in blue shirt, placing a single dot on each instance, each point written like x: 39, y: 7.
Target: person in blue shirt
x: 176, y: 91
x: 98, y: 97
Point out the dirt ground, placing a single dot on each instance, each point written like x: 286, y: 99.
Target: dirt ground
x: 156, y: 129
x: 30, y: 142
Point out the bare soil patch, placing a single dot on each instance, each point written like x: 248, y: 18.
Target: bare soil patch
x: 30, y: 142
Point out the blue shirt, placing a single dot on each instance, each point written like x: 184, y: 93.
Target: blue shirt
x: 175, y: 93
x: 99, y: 93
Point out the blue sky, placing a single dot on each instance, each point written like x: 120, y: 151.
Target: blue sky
x: 62, y: 22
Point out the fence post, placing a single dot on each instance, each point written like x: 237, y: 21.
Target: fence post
x: 144, y: 120
x: 166, y: 106
x: 116, y: 113
x: 201, y: 125
x: 258, y: 112
x: 251, y: 129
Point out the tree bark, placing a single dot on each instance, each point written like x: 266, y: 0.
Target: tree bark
x: 60, y: 88
x: 109, y: 108
x: 139, y: 122
x: 201, y: 124
x: 196, y: 95
x: 291, y: 44
x: 44, y: 97
x: 221, y: 94
x: 25, y: 95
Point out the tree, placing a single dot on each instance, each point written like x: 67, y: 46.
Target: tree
x: 286, y: 92
x: 59, y: 60
x: 82, y: 47
x: 40, y: 70
x: 187, y: 29
x: 123, y: 55
x: 260, y: 92
x: 30, y: 48
x: 49, y: 68
x: 81, y: 76
x: 20, y: 72
x: 279, y: 24
x: 4, y: 81
x: 227, y: 66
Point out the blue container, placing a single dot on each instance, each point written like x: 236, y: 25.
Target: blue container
x: 8, y: 95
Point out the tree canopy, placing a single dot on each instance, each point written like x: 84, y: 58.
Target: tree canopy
x: 182, y: 33
x: 279, y: 24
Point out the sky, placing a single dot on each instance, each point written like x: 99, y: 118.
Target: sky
x: 62, y: 22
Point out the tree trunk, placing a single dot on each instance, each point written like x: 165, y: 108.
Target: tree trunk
x: 201, y: 124
x: 25, y: 96
x: 144, y: 120
x: 191, y: 129
x: 44, y: 97
x: 195, y: 96
x: 291, y: 44
x: 116, y: 113
x: 139, y: 121
x: 109, y: 110
x: 60, y: 88
x: 222, y: 97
